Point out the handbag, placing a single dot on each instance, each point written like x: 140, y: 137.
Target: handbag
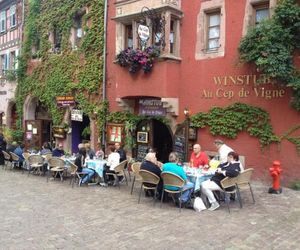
x: 199, y: 204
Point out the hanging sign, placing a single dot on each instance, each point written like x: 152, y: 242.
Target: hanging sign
x: 64, y: 101
x: 77, y: 115
x: 143, y: 32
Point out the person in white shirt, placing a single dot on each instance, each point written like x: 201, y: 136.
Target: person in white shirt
x: 113, y: 160
x: 223, y: 150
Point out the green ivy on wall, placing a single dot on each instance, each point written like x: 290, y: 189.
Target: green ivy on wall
x: 75, y: 72
x: 231, y: 120
x: 271, y: 46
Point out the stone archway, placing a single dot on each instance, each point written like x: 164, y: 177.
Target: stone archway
x: 11, y: 114
x: 29, y: 108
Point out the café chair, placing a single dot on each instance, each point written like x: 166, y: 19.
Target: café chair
x: 25, y: 162
x: 229, y: 187
x: 170, y: 179
x: 243, y: 182
x: 135, y: 167
x: 57, y: 167
x: 7, y: 159
x: 74, y: 174
x: 119, y: 171
x: 149, y: 182
x: 15, y: 160
x: 36, y: 163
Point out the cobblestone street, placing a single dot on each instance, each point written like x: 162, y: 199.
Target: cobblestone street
x: 40, y: 215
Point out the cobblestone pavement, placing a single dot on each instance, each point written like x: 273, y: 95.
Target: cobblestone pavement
x: 39, y: 215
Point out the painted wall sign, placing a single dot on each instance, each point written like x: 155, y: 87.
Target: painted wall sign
x: 262, y: 87
x: 151, y: 107
x: 64, y: 101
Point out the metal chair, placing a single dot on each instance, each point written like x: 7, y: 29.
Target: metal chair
x: 172, y: 180
x: 135, y: 167
x: 149, y: 182
x: 57, y: 167
x: 118, y: 172
x: 15, y: 160
x: 7, y: 159
x: 243, y: 182
x: 229, y: 183
x: 35, y: 164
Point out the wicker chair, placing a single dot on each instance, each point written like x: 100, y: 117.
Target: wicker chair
x: 15, y: 160
x: 35, y: 164
x: 243, y: 182
x: 74, y: 174
x: 170, y: 179
x: 26, y: 162
x: 57, y: 167
x: 135, y: 167
x: 152, y: 180
x: 230, y: 182
x: 119, y: 171
x: 7, y: 159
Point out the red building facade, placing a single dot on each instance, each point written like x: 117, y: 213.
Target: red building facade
x: 198, y: 69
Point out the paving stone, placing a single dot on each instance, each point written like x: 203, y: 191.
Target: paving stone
x: 40, y: 215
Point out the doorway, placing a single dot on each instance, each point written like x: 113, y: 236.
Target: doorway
x: 80, y: 132
x: 159, y: 137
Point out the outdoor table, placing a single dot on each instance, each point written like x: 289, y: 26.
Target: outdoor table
x: 197, y: 176
x: 97, y: 165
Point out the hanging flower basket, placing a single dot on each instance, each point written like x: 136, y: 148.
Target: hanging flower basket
x: 137, y: 59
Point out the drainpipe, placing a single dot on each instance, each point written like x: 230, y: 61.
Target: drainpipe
x: 104, y: 67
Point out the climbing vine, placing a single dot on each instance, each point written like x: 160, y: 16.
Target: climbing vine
x: 231, y: 120
x: 272, y: 44
x: 74, y: 70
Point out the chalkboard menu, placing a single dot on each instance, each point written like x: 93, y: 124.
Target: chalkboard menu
x: 141, y: 152
x: 179, y: 147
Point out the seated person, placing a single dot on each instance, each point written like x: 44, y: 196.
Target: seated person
x: 199, y: 159
x: 231, y: 169
x: 46, y: 149
x: 99, y: 153
x: 11, y: 147
x: 113, y: 160
x: 150, y: 164
x: 19, y: 152
x: 58, y: 151
x: 120, y: 151
x: 89, y: 151
x: 174, y: 168
x: 80, y: 163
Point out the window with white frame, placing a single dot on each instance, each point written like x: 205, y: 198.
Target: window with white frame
x: 4, y: 62
x: 3, y: 21
x: 213, y: 30
x: 13, y: 19
x: 128, y: 36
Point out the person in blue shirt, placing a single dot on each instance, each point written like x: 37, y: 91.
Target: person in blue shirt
x: 19, y: 152
x: 174, y: 168
x: 58, y: 151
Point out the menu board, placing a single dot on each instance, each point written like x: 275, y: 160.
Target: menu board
x: 179, y: 146
x: 141, y: 152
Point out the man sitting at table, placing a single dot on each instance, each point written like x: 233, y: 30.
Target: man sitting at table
x: 199, y: 159
x: 150, y: 164
x: 58, y: 151
x: 174, y: 168
x: 231, y: 169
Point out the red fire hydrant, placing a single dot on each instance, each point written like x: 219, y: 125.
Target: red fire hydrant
x: 275, y: 172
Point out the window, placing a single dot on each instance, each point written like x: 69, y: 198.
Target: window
x: 261, y: 12
x: 3, y: 21
x: 4, y: 62
x: 78, y: 30
x: 13, y: 60
x: 12, y: 12
x: 172, y: 36
x: 213, y: 31
x: 128, y: 36
x: 56, y: 40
